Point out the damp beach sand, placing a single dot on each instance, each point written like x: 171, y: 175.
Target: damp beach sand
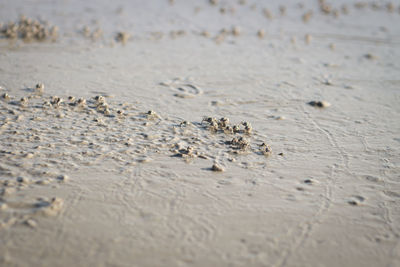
x: 199, y: 133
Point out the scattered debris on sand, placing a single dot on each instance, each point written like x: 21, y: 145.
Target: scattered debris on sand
x: 319, y: 104
x: 87, y: 132
x: 265, y: 149
x: 261, y: 33
x: 370, y: 56
x: 217, y: 168
x: 122, y: 37
x: 29, y: 30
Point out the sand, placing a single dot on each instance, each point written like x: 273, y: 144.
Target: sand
x: 200, y: 133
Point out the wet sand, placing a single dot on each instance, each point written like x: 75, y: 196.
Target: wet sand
x: 194, y: 133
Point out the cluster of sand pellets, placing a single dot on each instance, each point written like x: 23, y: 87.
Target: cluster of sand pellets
x: 43, y: 138
x: 29, y: 30
x: 324, y: 7
x: 94, y: 35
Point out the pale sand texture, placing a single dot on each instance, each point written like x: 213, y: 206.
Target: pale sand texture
x: 79, y: 187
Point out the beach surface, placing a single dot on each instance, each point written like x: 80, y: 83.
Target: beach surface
x: 200, y: 133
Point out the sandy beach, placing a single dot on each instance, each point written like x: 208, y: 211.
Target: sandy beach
x: 199, y: 133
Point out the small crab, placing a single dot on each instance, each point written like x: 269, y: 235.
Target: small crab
x: 122, y: 37
x: 100, y: 100
x: 217, y: 168
x: 6, y: 97
x: 236, y: 128
x: 228, y: 130
x: 39, y: 88
x: 106, y: 111
x: 184, y: 123
x: 247, y: 127
x: 223, y: 122
x: 80, y: 102
x: 187, y: 151
x: 265, y: 149
x: 56, y: 101
x: 102, y: 108
x: 46, y: 104
x: 151, y: 115
x: 23, y: 101
x: 319, y: 104
x: 213, y: 126
x: 208, y: 119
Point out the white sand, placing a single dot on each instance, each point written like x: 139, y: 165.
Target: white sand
x: 81, y: 188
